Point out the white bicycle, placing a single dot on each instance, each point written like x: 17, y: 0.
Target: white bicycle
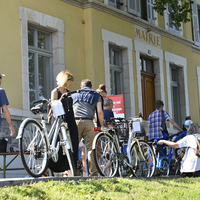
x: 34, y: 141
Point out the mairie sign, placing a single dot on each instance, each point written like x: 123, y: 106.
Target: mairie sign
x: 147, y: 36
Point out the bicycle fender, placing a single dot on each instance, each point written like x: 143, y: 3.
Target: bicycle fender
x: 23, y: 124
x: 95, y: 138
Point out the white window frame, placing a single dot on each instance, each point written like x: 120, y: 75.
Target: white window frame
x: 137, y: 11
x: 51, y: 24
x: 176, y: 85
x: 180, y: 62
x: 198, y: 79
x: 112, y: 3
x: 173, y: 30
x: 125, y: 44
x: 116, y: 68
x: 43, y: 52
x: 195, y: 23
x: 150, y: 5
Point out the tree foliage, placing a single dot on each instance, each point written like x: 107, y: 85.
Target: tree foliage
x: 179, y: 13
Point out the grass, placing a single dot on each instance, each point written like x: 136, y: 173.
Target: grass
x: 104, y: 189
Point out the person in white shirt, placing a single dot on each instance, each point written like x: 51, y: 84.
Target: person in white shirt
x: 190, y: 165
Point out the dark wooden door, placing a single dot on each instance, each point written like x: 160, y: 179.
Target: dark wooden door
x: 148, y: 93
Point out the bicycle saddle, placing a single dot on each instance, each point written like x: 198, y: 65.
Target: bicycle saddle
x: 38, y: 109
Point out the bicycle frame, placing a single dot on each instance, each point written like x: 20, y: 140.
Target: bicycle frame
x: 130, y: 140
x: 160, y: 157
x: 54, y: 131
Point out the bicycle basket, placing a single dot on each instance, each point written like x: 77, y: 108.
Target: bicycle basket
x: 144, y: 127
x: 123, y: 129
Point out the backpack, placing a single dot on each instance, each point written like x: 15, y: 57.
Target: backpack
x: 197, y: 150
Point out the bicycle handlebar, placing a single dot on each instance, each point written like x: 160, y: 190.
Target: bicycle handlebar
x: 65, y: 95
x: 170, y: 137
x: 41, y: 101
x: 176, y: 134
x: 48, y: 101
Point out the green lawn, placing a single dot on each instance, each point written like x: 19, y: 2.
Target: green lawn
x: 116, y: 188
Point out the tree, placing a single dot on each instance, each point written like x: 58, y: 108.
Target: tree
x: 178, y: 13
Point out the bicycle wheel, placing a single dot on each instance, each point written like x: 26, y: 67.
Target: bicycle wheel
x: 142, y: 159
x: 33, y: 148
x: 164, y: 167
x: 177, y: 166
x: 105, y: 155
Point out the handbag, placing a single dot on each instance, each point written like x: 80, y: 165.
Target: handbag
x: 163, y: 127
x: 197, y: 149
x: 49, y: 113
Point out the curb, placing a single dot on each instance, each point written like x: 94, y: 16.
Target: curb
x: 21, y: 181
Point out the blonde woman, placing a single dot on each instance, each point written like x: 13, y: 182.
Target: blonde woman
x: 64, y: 81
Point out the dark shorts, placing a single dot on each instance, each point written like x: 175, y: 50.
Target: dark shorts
x: 191, y: 174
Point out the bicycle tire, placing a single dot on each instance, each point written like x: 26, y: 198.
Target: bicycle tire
x: 104, y: 152
x: 141, y: 167
x: 164, y: 167
x: 177, y: 167
x: 33, y: 148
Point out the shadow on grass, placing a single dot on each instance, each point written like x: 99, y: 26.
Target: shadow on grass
x: 176, y: 181
x: 113, y: 185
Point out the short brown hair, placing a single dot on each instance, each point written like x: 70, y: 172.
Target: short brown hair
x: 86, y: 83
x: 102, y: 88
x: 158, y: 104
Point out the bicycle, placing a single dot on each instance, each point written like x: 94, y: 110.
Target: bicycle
x: 177, y: 164
x: 163, y: 161
x: 34, y: 140
x: 111, y: 160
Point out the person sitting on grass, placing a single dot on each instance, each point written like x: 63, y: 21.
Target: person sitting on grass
x: 190, y: 165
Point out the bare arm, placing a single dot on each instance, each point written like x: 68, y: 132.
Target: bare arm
x: 169, y: 143
x: 7, y: 116
x: 174, y: 124
x: 100, y: 113
x: 54, y: 95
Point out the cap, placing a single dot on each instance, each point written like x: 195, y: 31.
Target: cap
x: 188, y: 122
x: 2, y: 74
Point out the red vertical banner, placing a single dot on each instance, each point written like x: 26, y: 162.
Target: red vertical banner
x: 118, y: 105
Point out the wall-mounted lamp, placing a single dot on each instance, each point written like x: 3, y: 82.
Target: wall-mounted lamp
x: 148, y: 30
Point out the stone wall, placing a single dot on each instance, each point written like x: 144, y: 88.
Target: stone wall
x: 5, y: 133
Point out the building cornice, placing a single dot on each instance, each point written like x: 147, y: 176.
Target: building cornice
x: 196, y: 49
x: 128, y: 17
